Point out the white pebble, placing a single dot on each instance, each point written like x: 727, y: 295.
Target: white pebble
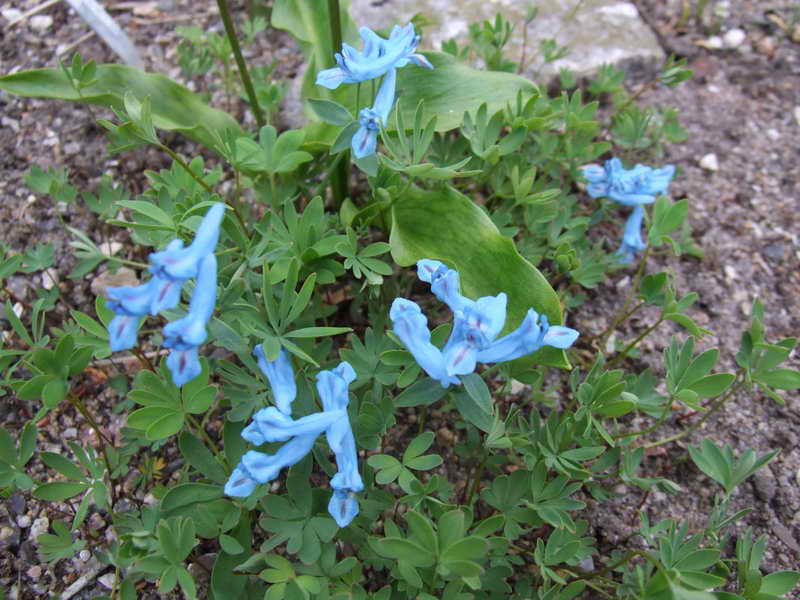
x: 39, y: 527
x: 773, y: 134
x: 41, y: 23
x: 797, y: 114
x: 107, y: 580
x: 11, y: 14
x: 734, y: 38
x: 23, y: 521
x: 84, y: 555
x: 714, y: 43
x: 709, y: 162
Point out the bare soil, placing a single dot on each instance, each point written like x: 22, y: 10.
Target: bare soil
x: 743, y: 106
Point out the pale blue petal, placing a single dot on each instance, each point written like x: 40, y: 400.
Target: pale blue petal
x: 343, y: 507
x: 240, y: 484
x: 266, y: 467
x: 523, y: 340
x: 411, y: 326
x: 447, y: 288
x: 559, y: 337
x: 184, y: 365
x: 271, y: 425
x: 191, y: 329
x: 122, y: 332
x: 489, y: 315
x: 167, y: 295
x: 631, y: 199
x: 597, y: 190
x: 594, y: 174
x: 384, y: 100
x: 364, y: 142
x: 133, y: 301
x: 331, y: 78
x: 632, y: 238
x: 182, y: 263
x: 281, y: 378
x: 332, y: 386
x: 430, y: 270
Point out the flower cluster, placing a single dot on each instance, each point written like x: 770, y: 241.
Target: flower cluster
x: 275, y: 424
x: 171, y: 268
x: 379, y: 58
x: 477, y: 324
x: 632, y: 187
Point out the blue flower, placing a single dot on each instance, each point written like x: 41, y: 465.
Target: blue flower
x: 274, y: 424
x: 477, y: 324
x: 378, y: 57
x: 631, y: 187
x: 149, y: 298
x: 372, y: 119
x: 186, y: 334
x: 177, y: 262
x: 122, y: 332
x: 632, y: 238
x: 280, y: 376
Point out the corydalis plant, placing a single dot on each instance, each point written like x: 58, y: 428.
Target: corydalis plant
x: 631, y: 187
x: 379, y: 58
x: 275, y: 424
x: 477, y: 323
x: 171, y: 268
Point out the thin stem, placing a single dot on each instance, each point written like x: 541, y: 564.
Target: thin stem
x: 629, y: 298
x: 340, y: 173
x: 244, y: 74
x: 476, y: 482
x: 713, y: 410
x: 334, y: 13
x: 633, y: 344
x: 143, y: 358
x: 81, y: 408
x: 204, y: 434
x: 185, y: 166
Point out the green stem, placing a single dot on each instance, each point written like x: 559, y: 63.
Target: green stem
x: 339, y: 176
x: 713, y: 410
x: 201, y: 430
x: 334, y: 13
x: 638, y: 339
x: 244, y: 74
x: 619, y: 316
x: 476, y: 482
x: 185, y: 166
x: 81, y: 408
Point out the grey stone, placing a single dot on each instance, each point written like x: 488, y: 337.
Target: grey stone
x: 41, y: 23
x: 122, y: 277
x: 765, y: 485
x: 775, y: 251
x: 17, y: 504
x: 598, y: 32
x: 709, y: 162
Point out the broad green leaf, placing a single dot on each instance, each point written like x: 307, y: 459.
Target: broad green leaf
x: 472, y: 412
x: 446, y: 225
x: 187, y: 494
x: 200, y: 457
x: 174, y: 107
x: 452, y: 88
x: 59, y: 490
x: 479, y: 392
x: 423, y: 392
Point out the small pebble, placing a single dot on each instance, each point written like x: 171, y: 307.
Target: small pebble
x: 797, y: 114
x: 107, y: 580
x: 714, y: 43
x: 84, y: 555
x: 773, y: 134
x: 40, y: 527
x: 709, y: 162
x: 11, y: 14
x: 34, y: 572
x: 70, y: 433
x: 734, y: 38
x: 23, y: 521
x: 41, y: 23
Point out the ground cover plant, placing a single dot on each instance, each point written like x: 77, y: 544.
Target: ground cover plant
x: 504, y: 206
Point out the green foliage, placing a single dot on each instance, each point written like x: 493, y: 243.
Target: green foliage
x: 725, y: 468
x: 477, y: 167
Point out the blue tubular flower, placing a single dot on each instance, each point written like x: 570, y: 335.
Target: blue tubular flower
x: 122, y: 332
x: 266, y: 467
x: 281, y: 378
x: 477, y: 324
x: 372, y: 119
x: 177, y: 262
x: 534, y: 333
x: 271, y: 424
x: 190, y: 331
x: 631, y: 187
x: 241, y: 483
x: 632, y: 238
x: 149, y: 298
x: 474, y: 330
x: 411, y: 326
x: 376, y: 59
x: 184, y: 364
x: 639, y: 185
x: 186, y: 334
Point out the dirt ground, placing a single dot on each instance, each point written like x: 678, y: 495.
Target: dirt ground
x: 743, y: 106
